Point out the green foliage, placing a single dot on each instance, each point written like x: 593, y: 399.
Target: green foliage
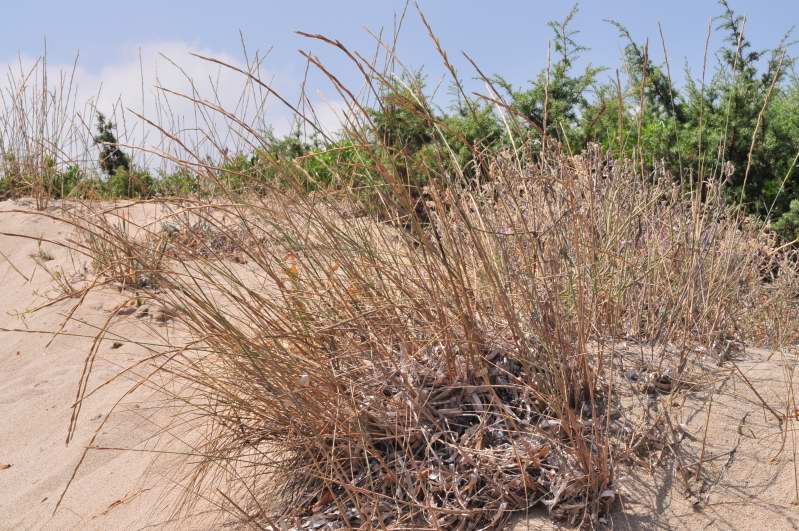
x: 473, y: 135
x: 404, y: 121
x: 779, y: 149
x: 558, y: 98
x: 62, y: 184
x: 175, y: 184
x: 41, y: 178
x: 241, y: 172
x: 697, y: 130
x: 123, y: 179
x: 5, y: 188
x: 740, y: 125
x: 739, y: 122
x: 419, y: 144
x: 11, y: 183
x: 788, y: 223
x: 403, y: 139
x: 111, y: 157
x: 135, y: 183
x: 343, y: 164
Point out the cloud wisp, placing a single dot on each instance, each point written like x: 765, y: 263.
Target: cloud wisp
x: 162, y: 97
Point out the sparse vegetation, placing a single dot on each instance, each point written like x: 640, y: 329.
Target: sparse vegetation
x: 461, y: 370
x: 427, y: 321
x: 742, y: 122
x: 41, y: 254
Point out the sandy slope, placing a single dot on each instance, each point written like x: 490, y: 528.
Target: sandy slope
x: 113, y: 489
x: 748, y: 483
x: 748, y: 480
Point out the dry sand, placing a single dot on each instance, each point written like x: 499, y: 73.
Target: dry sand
x: 748, y: 478
x: 112, y: 489
x: 748, y: 483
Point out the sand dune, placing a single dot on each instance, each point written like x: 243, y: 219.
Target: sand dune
x: 749, y: 479
x: 112, y: 489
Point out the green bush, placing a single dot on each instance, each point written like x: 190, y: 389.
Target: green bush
x: 341, y: 164
x: 788, y: 223
x: 11, y: 183
x: 64, y: 183
x: 178, y: 183
x: 741, y: 125
x: 111, y: 157
x: 134, y: 183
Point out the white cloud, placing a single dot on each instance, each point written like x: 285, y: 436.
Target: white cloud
x: 131, y: 83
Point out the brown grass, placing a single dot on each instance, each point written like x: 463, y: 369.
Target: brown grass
x: 457, y: 358
x: 454, y: 373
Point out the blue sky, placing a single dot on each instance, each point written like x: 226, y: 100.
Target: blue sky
x: 509, y: 38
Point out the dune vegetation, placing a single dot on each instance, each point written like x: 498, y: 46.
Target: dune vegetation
x: 441, y: 318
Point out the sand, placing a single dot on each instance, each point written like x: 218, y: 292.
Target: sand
x: 112, y: 489
x: 748, y: 480
x: 749, y: 483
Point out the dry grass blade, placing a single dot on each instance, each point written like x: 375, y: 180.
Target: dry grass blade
x: 455, y: 374
x: 410, y: 347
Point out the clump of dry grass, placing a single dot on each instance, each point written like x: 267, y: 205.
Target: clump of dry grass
x: 459, y: 357
x: 197, y: 236
x: 449, y: 374
x: 121, y: 251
